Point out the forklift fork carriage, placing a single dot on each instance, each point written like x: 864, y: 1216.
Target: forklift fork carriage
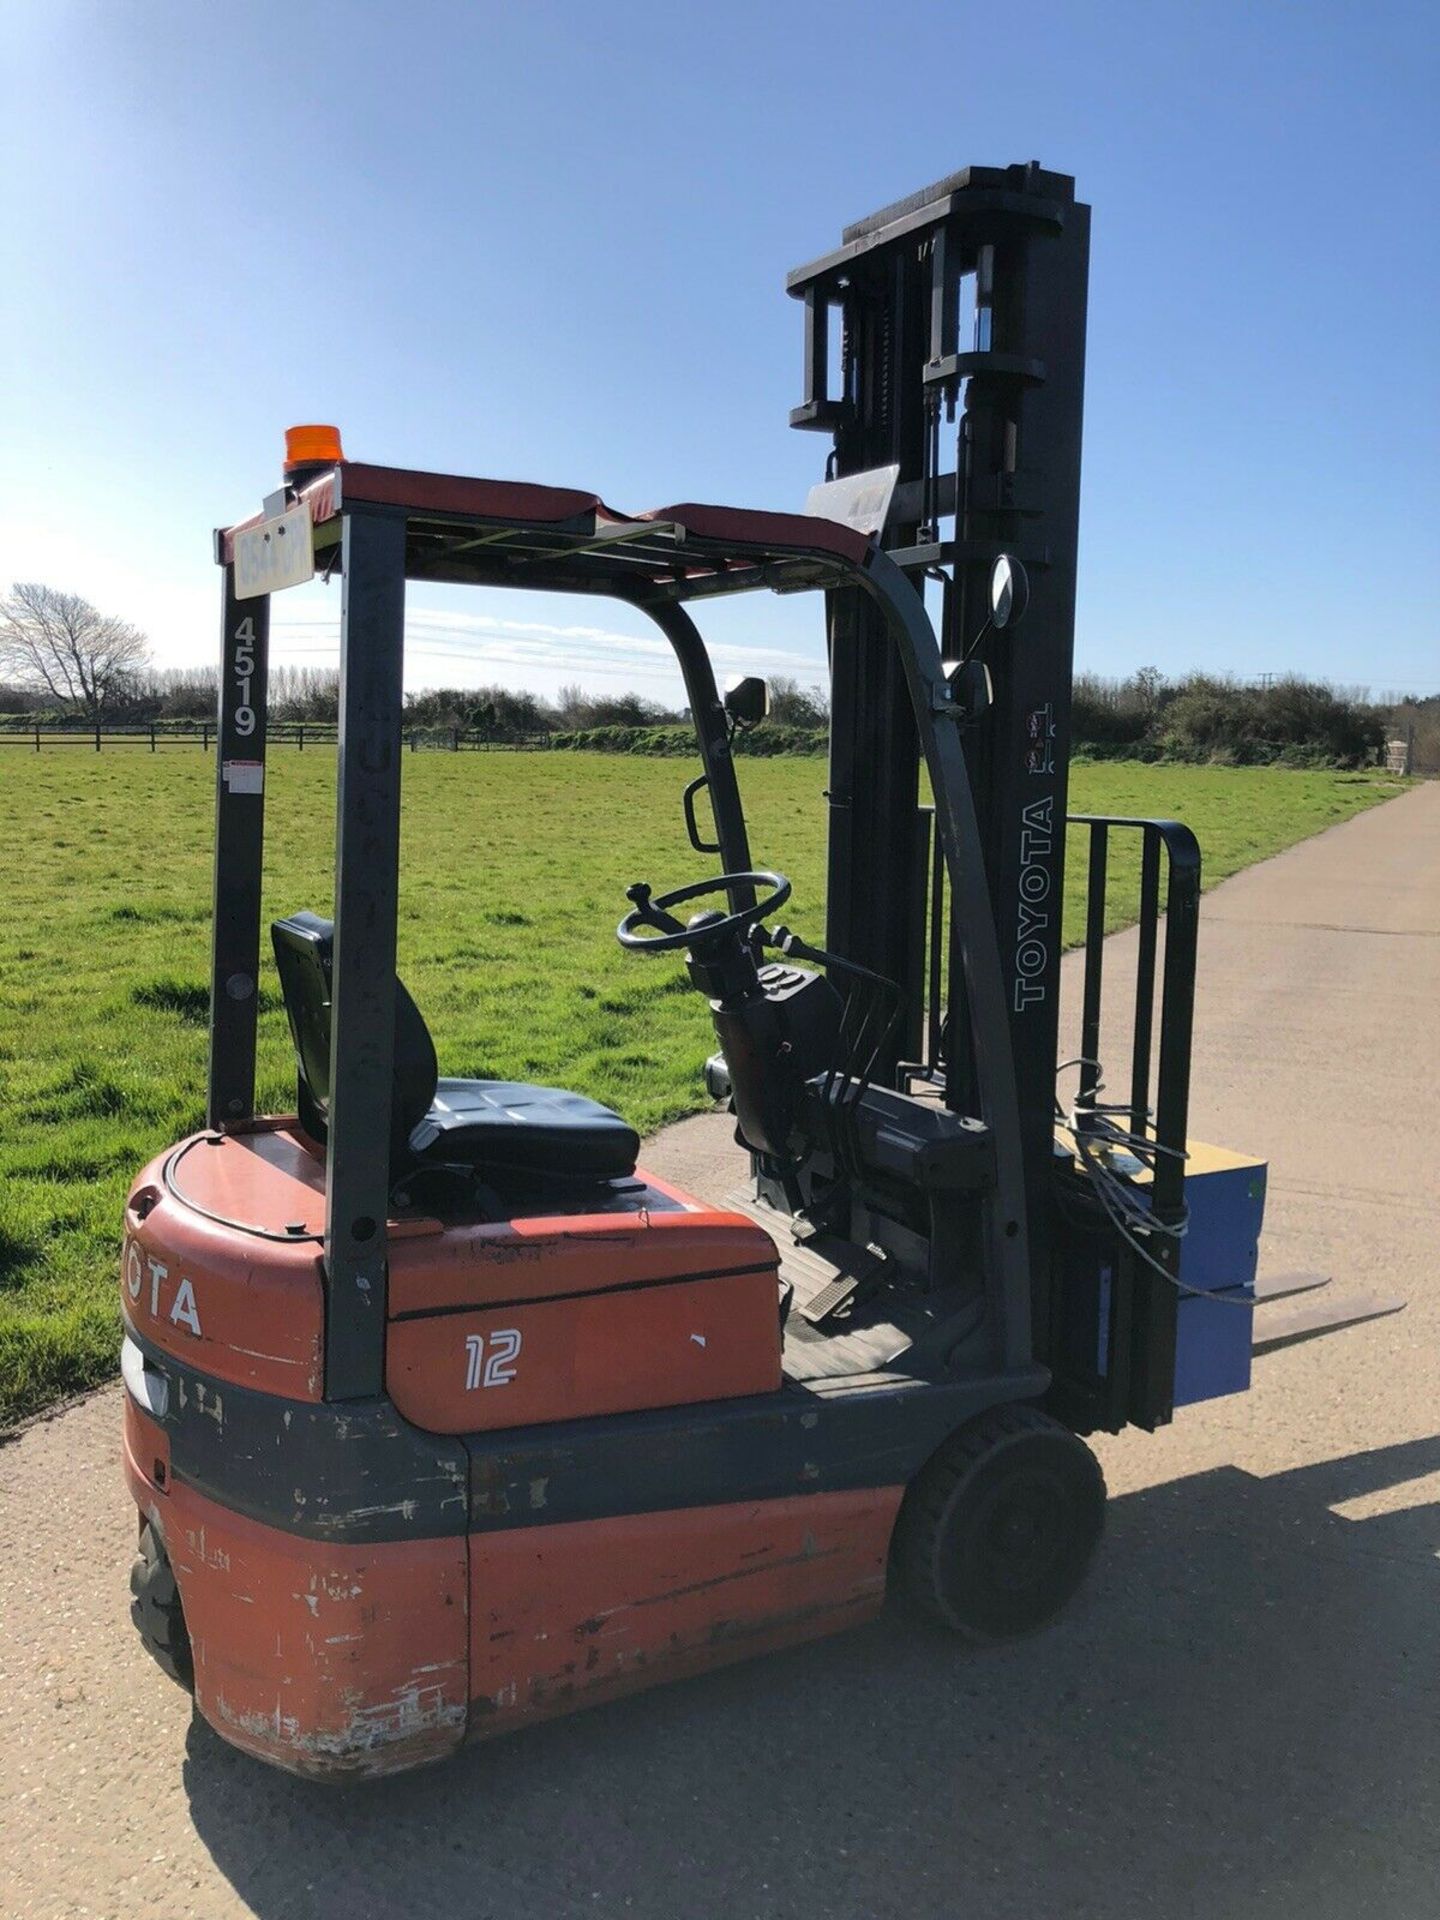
x: 441, y: 1416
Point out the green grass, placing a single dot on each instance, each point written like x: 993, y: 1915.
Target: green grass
x: 515, y: 873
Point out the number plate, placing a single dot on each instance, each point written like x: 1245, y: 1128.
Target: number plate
x: 278, y: 553
x: 860, y: 500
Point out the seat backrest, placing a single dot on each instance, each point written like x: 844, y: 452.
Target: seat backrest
x: 304, y: 955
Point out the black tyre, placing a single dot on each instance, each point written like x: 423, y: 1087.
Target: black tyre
x: 998, y: 1529
x: 156, y: 1610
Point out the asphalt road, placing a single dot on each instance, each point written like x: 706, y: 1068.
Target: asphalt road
x: 1240, y: 1718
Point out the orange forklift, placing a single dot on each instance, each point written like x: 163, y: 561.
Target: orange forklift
x: 442, y: 1415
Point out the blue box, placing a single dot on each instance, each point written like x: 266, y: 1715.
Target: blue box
x: 1225, y: 1195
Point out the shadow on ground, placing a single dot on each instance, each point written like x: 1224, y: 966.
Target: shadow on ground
x: 1241, y: 1717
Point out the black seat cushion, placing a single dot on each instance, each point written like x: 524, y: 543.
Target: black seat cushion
x: 503, y: 1126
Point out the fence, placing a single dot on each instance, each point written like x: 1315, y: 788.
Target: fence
x: 294, y: 733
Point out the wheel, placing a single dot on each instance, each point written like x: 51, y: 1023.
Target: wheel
x: 156, y: 1609
x: 998, y: 1529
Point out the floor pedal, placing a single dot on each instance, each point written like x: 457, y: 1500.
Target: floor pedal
x: 829, y: 1274
x: 841, y: 1292
x: 834, y: 1295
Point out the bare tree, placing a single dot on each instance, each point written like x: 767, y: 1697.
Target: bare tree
x: 57, y: 644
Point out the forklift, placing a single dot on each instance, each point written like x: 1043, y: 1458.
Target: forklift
x: 442, y: 1416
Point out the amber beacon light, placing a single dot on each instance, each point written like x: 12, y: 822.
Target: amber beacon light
x: 312, y: 446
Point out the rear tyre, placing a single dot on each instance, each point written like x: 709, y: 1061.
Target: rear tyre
x: 156, y: 1610
x: 997, y: 1531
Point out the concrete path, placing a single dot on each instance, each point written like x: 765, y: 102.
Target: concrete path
x: 1241, y: 1717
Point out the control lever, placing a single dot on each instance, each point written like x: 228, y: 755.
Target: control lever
x: 639, y: 898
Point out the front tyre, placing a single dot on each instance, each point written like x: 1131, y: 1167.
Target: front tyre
x: 156, y: 1610
x: 997, y: 1531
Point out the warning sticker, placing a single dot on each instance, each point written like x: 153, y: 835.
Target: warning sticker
x: 244, y: 776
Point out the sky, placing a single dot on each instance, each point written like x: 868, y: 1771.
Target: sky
x: 548, y: 242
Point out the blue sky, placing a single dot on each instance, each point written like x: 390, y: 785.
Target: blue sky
x: 548, y: 241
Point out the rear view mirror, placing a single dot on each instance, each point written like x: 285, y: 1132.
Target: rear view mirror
x: 1009, y: 592
x: 747, y: 700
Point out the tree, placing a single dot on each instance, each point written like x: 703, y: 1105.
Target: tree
x: 792, y: 705
x: 57, y: 644
x: 577, y: 710
x: 305, y: 693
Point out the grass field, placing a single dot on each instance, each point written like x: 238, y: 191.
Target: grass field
x: 516, y: 866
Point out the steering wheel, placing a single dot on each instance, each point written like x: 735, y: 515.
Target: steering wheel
x: 656, y: 913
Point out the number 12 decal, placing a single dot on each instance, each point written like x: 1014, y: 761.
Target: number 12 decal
x: 492, y: 1368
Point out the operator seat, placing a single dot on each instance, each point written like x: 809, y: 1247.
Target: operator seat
x: 502, y: 1130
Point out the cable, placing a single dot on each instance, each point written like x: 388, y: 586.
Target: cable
x: 1126, y: 1211
x: 1143, y: 1253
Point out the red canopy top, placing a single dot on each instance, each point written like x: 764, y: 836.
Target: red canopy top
x: 514, y: 532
